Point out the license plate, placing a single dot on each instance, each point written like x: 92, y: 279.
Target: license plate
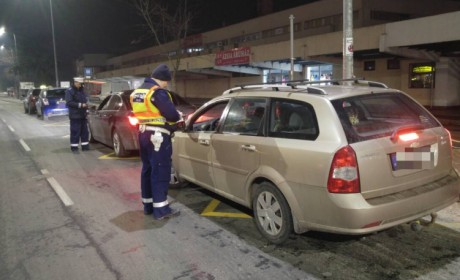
x: 415, y: 158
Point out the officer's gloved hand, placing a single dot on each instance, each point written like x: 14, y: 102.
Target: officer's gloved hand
x: 181, y: 116
x: 180, y: 124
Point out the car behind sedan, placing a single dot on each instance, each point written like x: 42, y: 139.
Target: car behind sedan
x: 51, y: 102
x: 30, y: 99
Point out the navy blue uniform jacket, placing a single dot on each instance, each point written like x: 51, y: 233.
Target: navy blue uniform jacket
x: 74, y: 98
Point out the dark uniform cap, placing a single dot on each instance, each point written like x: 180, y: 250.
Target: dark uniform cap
x: 161, y: 73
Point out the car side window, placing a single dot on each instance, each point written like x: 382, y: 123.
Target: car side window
x: 293, y: 120
x: 208, y: 120
x: 114, y: 103
x: 245, y: 116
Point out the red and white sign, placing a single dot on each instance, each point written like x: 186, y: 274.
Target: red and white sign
x: 233, y: 56
x: 193, y: 41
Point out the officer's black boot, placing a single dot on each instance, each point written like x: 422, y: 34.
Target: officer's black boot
x: 148, y: 208
x: 74, y: 150
x: 85, y: 147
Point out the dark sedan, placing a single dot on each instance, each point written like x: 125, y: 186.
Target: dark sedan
x: 112, y: 122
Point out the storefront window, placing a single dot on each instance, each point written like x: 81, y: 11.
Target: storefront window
x: 422, y: 75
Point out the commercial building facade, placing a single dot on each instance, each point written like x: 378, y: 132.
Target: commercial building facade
x: 412, y: 45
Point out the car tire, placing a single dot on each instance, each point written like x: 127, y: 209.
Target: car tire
x: 118, y: 146
x: 272, y: 214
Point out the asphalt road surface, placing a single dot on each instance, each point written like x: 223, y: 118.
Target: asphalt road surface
x: 66, y: 216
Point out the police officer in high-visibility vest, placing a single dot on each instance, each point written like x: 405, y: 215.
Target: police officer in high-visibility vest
x: 153, y: 107
x: 77, y: 102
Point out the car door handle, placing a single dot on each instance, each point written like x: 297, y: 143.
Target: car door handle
x: 250, y: 148
x: 204, y: 142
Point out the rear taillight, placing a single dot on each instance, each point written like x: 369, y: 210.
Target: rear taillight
x: 133, y: 120
x: 406, y: 133
x: 344, y: 174
x: 408, y: 136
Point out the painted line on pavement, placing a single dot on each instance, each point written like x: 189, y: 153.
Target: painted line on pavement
x: 58, y: 189
x: 11, y: 128
x: 112, y: 156
x: 24, y: 145
x: 209, y: 211
x: 63, y: 123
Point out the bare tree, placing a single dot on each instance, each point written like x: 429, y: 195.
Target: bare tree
x: 167, y: 21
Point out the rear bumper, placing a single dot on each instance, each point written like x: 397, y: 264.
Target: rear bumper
x: 352, y: 214
x: 56, y: 112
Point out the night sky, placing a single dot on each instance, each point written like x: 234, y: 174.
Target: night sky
x: 102, y: 26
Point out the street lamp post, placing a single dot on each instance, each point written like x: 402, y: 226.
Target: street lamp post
x: 54, y: 45
x: 16, y: 60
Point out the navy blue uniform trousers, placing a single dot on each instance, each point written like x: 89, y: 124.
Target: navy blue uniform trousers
x: 78, y: 130
x: 156, y: 173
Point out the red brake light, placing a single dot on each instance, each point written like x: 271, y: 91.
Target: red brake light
x: 344, y: 174
x: 133, y: 120
x: 406, y: 133
x: 408, y: 136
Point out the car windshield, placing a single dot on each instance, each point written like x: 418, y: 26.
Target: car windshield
x: 36, y: 92
x: 378, y: 115
x: 60, y: 93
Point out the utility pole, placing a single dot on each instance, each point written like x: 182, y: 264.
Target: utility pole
x: 291, y: 19
x: 54, y: 45
x: 347, y: 39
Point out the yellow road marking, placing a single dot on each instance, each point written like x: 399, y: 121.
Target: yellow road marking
x: 111, y: 156
x: 63, y: 123
x: 209, y: 211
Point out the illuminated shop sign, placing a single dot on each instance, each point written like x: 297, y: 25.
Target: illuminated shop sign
x: 423, y: 69
x: 233, y: 56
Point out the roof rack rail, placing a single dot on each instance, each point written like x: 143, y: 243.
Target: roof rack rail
x: 295, y: 83
x: 360, y: 81
x: 274, y: 86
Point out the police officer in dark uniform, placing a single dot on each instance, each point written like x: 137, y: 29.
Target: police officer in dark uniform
x: 153, y: 107
x: 77, y: 102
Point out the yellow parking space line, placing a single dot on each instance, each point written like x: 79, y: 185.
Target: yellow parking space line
x: 63, y: 123
x: 209, y: 211
x: 111, y: 156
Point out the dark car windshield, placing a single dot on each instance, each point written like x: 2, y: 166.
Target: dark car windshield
x: 378, y: 115
x: 36, y: 92
x: 59, y: 93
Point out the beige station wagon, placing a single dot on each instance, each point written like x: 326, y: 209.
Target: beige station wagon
x: 347, y: 159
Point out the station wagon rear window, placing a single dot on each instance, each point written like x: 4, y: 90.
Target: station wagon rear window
x: 379, y: 115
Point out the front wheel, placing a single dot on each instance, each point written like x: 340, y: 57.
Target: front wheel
x: 272, y: 214
x: 118, y: 146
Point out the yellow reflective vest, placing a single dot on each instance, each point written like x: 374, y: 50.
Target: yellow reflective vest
x: 144, y: 110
